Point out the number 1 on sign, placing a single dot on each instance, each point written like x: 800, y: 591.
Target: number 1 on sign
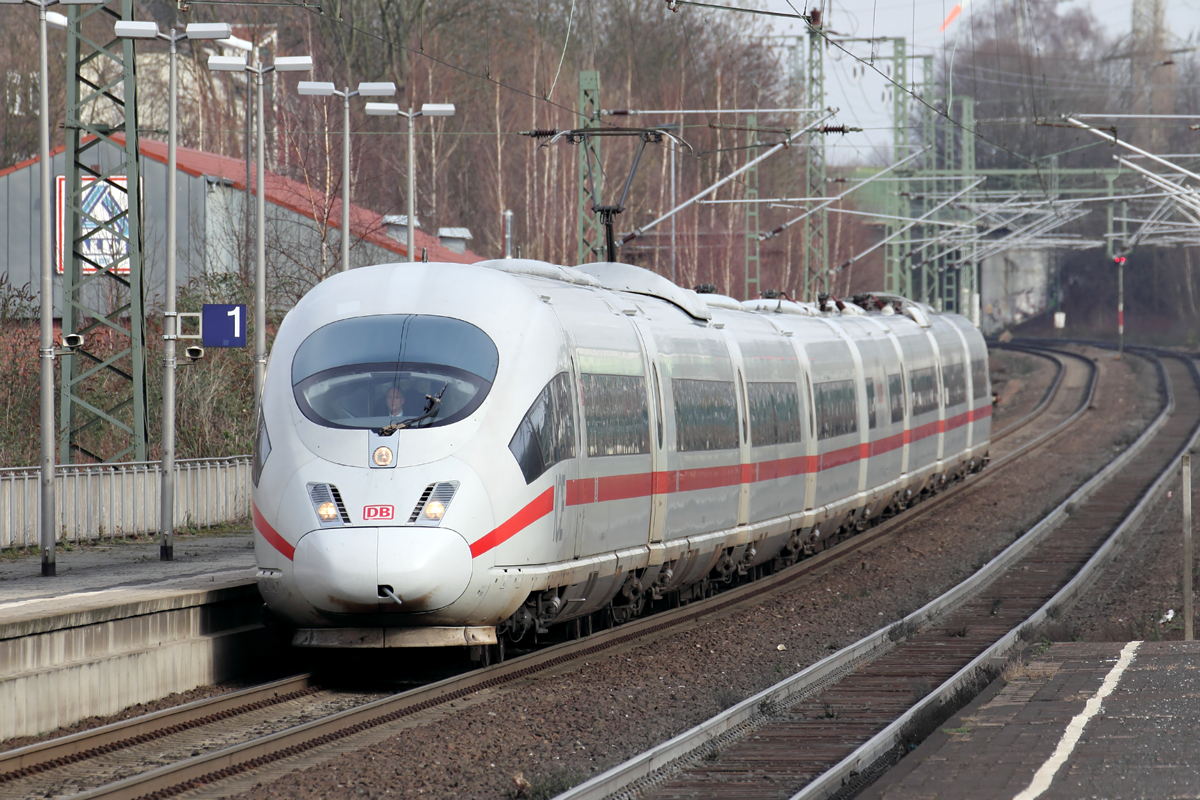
x: 236, y: 313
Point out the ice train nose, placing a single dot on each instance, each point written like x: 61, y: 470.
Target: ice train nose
x: 346, y: 570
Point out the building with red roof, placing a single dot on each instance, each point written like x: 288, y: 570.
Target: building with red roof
x: 303, y: 241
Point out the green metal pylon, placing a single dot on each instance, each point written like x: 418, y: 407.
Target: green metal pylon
x: 816, y: 226
x: 103, y: 396
x: 964, y: 276
x: 753, y: 266
x: 897, y: 271
x: 591, y: 232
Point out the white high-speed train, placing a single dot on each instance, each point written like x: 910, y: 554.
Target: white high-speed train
x: 456, y: 454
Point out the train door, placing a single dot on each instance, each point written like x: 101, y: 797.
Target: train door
x: 743, y: 414
x: 614, y: 485
x: 568, y: 516
x: 658, y: 455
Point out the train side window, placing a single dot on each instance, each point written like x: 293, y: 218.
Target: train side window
x: 924, y: 390
x: 979, y: 378
x: 658, y: 398
x: 617, y: 415
x: 812, y: 410
x: 262, y: 448
x: 837, y: 409
x: 896, y: 397
x: 871, y: 402
x: 774, y: 410
x: 546, y: 435
x: 745, y: 403
x: 955, y: 378
x: 705, y: 415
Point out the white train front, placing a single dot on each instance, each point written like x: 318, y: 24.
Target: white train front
x: 446, y: 452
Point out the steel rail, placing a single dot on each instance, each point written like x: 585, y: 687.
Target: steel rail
x: 879, y: 745
x: 1047, y: 396
x: 170, y: 779
x: 44, y: 756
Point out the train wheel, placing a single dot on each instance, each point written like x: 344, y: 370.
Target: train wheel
x: 495, y: 652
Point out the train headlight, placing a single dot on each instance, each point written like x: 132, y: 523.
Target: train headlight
x: 382, y: 456
x: 328, y: 505
x: 434, y: 501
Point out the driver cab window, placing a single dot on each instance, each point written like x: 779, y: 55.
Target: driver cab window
x: 371, y: 372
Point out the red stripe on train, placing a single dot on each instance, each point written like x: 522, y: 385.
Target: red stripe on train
x: 271, y: 535
x: 584, y: 491
x: 539, y: 507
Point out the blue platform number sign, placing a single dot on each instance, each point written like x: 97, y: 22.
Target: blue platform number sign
x: 223, y: 325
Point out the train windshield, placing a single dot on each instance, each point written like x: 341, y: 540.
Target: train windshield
x: 393, y: 371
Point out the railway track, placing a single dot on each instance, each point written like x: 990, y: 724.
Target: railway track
x: 830, y: 730
x: 221, y: 742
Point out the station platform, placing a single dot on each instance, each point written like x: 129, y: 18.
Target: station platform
x: 116, y: 627
x: 1084, y: 719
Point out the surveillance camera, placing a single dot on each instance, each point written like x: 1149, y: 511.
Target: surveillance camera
x: 195, y: 352
x: 72, y: 341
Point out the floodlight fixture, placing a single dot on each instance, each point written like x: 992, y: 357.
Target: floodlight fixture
x: 136, y: 30
x: 209, y: 30
x: 227, y: 63
x: 380, y: 89
x: 316, y: 88
x: 293, y: 64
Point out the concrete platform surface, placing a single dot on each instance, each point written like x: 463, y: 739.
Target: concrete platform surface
x: 1082, y: 720
x: 103, y: 574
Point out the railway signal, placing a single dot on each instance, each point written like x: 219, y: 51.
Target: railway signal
x: 1120, y: 262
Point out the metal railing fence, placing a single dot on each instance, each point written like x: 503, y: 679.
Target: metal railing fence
x: 93, y: 501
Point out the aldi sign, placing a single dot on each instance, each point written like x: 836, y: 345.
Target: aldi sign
x: 105, y: 225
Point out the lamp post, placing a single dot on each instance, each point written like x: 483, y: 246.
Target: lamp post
x: 327, y: 89
x: 46, y: 349
x: 427, y: 110
x: 238, y: 64
x: 149, y: 30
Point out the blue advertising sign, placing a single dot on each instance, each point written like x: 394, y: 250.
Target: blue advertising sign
x: 223, y: 325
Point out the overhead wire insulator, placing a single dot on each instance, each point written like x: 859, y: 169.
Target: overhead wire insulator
x: 540, y: 133
x: 842, y: 129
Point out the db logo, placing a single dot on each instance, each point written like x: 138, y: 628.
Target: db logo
x: 379, y: 512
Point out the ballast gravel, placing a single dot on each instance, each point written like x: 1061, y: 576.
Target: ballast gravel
x: 574, y: 724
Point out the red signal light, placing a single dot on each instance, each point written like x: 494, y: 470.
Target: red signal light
x: 1118, y: 259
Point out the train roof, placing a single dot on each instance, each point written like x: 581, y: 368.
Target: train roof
x: 637, y: 280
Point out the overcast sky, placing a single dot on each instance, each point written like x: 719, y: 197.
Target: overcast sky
x: 861, y: 95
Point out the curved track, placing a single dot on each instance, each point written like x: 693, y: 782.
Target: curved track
x: 237, y: 743
x: 828, y: 732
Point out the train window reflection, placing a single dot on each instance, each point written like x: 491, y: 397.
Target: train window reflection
x: 372, y: 372
x: 954, y: 376
x: 924, y: 391
x: 874, y: 389
x: 617, y: 415
x: 705, y: 415
x: 837, y: 409
x: 546, y: 435
x: 896, y: 397
x: 774, y: 413
x: 979, y: 378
